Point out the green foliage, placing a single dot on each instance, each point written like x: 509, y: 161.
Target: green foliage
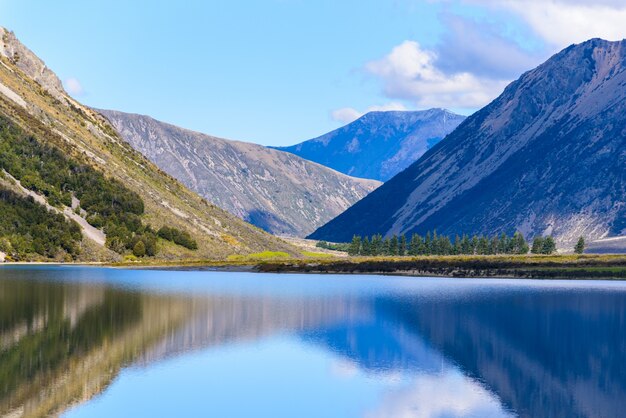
x: 343, y: 247
x: 434, y: 244
x: 109, y: 204
x: 139, y: 249
x: 580, y: 246
x: 543, y: 245
x: 178, y: 237
x: 549, y: 246
x: 537, y: 247
x: 355, y: 246
x: 27, y: 227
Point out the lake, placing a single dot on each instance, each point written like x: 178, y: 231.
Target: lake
x: 103, y: 342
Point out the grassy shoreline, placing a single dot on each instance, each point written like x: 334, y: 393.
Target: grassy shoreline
x: 528, y: 267
x: 508, y: 266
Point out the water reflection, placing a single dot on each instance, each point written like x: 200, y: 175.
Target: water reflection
x: 368, y: 346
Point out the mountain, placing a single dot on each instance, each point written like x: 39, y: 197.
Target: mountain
x: 70, y: 187
x: 546, y: 157
x: 379, y: 144
x: 274, y: 190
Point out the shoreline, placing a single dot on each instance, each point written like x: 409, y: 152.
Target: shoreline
x: 580, y: 267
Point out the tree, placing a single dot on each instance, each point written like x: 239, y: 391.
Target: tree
x: 580, y: 246
x: 393, y: 246
x: 366, y: 248
x: 402, y: 249
x: 549, y: 245
x: 355, y: 246
x: 518, y: 244
x: 377, y: 245
x: 415, y: 244
x: 537, y: 247
x: 428, y: 245
x: 139, y: 250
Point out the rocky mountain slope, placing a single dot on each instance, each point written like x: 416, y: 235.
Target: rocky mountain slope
x: 379, y: 144
x: 546, y: 157
x: 38, y: 116
x: 274, y: 190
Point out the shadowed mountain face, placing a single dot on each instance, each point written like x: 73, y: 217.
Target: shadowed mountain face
x: 274, y: 190
x: 546, y: 157
x: 380, y: 144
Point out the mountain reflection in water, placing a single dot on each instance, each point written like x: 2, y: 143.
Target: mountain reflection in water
x: 425, y: 347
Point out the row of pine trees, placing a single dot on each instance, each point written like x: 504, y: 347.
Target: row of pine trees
x: 433, y: 244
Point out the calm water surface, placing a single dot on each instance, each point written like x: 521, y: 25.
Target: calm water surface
x: 96, y: 342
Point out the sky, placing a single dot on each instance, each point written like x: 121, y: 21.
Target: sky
x: 277, y: 72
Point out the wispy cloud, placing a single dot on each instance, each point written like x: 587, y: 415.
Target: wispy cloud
x: 73, y: 87
x: 563, y: 22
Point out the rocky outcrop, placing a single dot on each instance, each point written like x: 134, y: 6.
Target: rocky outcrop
x: 546, y: 157
x: 380, y: 144
x: 274, y: 190
x: 24, y: 59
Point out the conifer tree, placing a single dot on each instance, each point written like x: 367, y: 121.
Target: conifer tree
x: 466, y: 245
x: 377, y: 245
x: 414, y: 246
x: 457, y: 248
x: 537, y: 247
x: 518, y: 244
x: 402, y: 246
x: 366, y: 247
x: 355, y: 246
x: 580, y: 246
x: 393, y: 245
x: 549, y: 245
x: 474, y: 245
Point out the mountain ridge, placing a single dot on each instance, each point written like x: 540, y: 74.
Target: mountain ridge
x: 540, y: 159
x: 379, y: 144
x: 274, y: 190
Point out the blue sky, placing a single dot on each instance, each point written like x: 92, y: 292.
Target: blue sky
x: 278, y: 72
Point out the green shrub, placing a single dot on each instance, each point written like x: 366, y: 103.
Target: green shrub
x: 178, y: 237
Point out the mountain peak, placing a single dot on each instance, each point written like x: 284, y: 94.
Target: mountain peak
x: 379, y: 144
x: 24, y: 59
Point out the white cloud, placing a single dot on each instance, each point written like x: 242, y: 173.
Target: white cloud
x: 349, y: 114
x: 563, y: 22
x: 73, y: 87
x: 434, y: 396
x: 409, y: 72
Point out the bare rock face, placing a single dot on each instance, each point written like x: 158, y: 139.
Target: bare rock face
x: 379, y: 145
x: 546, y: 157
x: 274, y: 190
x: 29, y: 63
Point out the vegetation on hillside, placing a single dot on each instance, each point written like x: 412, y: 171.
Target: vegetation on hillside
x: 28, y: 228
x: 178, y: 237
x: 106, y: 203
x: 335, y: 246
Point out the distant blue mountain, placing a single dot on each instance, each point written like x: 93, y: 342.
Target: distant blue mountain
x: 380, y: 144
